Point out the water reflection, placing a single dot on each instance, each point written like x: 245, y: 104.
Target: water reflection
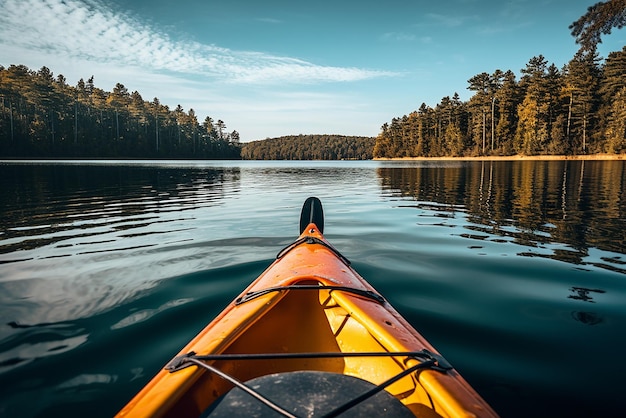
x: 78, y: 239
x: 583, y: 294
x: 115, y: 253
x: 559, y: 209
x: 33, y: 346
x: 70, y: 206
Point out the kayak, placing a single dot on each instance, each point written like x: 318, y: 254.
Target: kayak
x: 308, y: 338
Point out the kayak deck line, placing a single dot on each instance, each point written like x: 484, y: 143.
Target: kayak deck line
x: 430, y: 361
x: 437, y: 361
x: 239, y: 384
x: 369, y: 294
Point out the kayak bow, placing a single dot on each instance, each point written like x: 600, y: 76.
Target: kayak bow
x: 309, y: 337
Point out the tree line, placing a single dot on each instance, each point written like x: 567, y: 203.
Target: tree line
x: 578, y: 109
x: 43, y: 116
x: 310, y: 147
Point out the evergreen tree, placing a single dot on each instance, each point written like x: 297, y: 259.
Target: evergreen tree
x: 580, y: 87
x: 599, y: 20
x: 507, y: 100
x: 119, y: 101
x: 612, y: 91
x: 616, y: 126
x: 534, y: 112
x: 480, y: 105
x: 424, y: 128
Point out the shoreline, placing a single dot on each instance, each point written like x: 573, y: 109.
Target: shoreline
x: 607, y: 157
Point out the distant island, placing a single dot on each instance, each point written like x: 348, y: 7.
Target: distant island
x: 310, y: 147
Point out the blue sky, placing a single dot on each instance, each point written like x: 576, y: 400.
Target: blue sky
x: 280, y: 67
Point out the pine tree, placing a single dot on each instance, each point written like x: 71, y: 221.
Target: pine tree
x: 507, y: 99
x: 613, y: 82
x: 599, y: 20
x: 580, y: 86
x: 480, y: 107
x: 616, y: 127
x: 119, y: 101
x: 423, y: 126
x: 533, y: 127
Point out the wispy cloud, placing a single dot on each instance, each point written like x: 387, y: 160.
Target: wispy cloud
x: 269, y: 20
x: 398, y: 36
x: 450, y: 21
x: 498, y: 28
x: 90, y: 30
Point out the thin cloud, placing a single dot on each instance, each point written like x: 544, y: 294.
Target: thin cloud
x: 398, y: 36
x: 269, y: 20
x: 90, y: 30
x: 498, y: 28
x: 449, y: 20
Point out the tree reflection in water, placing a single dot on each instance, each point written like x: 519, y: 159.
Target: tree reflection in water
x: 570, y: 211
x: 559, y: 209
x: 581, y: 293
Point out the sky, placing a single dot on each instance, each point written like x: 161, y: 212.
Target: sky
x: 284, y: 67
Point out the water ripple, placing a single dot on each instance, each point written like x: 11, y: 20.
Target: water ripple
x: 515, y: 271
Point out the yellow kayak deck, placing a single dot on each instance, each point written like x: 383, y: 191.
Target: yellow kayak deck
x: 306, y: 310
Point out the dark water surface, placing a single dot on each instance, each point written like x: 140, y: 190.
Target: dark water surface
x: 515, y: 271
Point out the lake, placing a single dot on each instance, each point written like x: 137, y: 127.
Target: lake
x: 514, y: 271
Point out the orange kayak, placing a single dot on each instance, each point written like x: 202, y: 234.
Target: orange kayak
x: 308, y: 338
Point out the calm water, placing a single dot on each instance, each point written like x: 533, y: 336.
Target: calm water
x: 515, y: 271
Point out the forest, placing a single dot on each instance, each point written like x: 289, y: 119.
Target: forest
x: 578, y: 109
x: 310, y: 147
x: 42, y: 116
